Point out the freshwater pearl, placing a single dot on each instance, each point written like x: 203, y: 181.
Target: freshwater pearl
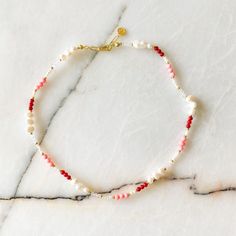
x: 135, y: 44
x: 86, y: 190
x: 149, y: 46
x: 194, y: 105
x: 30, y: 114
x: 30, y: 121
x: 166, y: 60
x: 73, y: 181
x: 150, y: 179
x: 30, y: 129
x: 139, y: 44
x: 142, y: 44
x: 157, y: 175
x: 78, y: 186
x: 189, y: 98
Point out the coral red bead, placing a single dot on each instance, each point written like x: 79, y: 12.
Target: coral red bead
x: 138, y: 189
x: 159, y: 51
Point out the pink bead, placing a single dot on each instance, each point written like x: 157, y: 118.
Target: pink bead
x: 168, y: 66
x: 126, y: 195
x: 172, y: 74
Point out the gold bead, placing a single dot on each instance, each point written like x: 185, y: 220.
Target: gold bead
x: 121, y: 31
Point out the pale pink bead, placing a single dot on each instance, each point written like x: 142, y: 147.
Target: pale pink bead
x: 172, y: 74
x: 41, y: 84
x: 126, y: 195
x: 168, y: 66
x: 44, y: 80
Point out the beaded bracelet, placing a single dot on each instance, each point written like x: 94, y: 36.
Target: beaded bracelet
x: 161, y: 172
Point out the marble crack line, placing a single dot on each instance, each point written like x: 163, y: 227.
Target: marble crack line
x: 83, y: 197
x: 213, y: 191
x: 63, y: 100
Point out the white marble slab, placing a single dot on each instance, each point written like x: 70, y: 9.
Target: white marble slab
x: 112, y: 118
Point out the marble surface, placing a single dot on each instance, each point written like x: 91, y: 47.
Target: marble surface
x: 112, y: 117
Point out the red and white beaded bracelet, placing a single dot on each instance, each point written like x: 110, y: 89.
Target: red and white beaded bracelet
x: 161, y: 172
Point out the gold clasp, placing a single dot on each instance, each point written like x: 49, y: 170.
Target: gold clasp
x: 107, y: 47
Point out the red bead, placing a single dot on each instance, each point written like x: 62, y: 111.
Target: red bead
x: 145, y: 184
x: 62, y: 172
x: 138, y: 189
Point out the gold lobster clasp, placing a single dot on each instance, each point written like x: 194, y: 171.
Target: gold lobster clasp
x: 107, y: 47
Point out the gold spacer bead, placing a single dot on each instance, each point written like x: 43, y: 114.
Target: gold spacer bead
x: 121, y: 31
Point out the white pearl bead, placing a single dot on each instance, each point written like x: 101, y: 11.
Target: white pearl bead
x: 30, y: 121
x: 73, y: 181
x: 157, y: 176
x: 72, y: 50
x: 30, y: 129
x: 63, y: 57
x: 86, y: 190
x: 135, y: 44
x: 149, y: 46
x: 139, y: 44
x: 194, y: 105
x: 162, y: 171
x: 77, y: 186
x: 30, y: 114
x: 150, y: 180
x: 189, y: 98
x: 127, y: 44
x: 166, y: 60
x: 142, y: 44
x: 186, y: 132
x: 132, y: 192
x: 192, y: 112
